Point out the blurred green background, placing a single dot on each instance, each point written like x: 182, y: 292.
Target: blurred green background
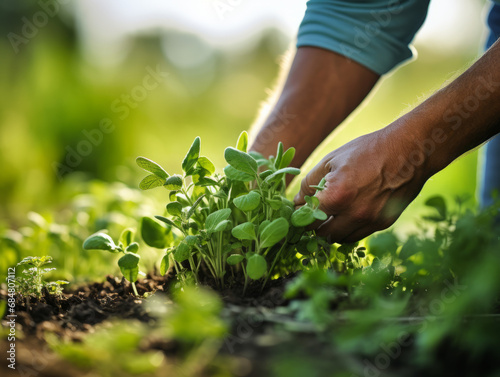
x: 54, y: 94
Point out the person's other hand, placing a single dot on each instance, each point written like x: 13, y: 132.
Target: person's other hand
x: 369, y: 182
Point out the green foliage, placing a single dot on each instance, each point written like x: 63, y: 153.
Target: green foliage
x: 129, y: 261
x: 238, y: 225
x: 31, y: 281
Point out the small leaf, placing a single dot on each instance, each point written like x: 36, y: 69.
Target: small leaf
x: 191, y: 240
x: 150, y: 182
x: 100, y: 241
x: 279, y: 156
x: 133, y: 247
x: 192, y: 155
x: 274, y: 204
x: 245, y: 231
x: 241, y: 161
x: 174, y: 209
x: 234, y: 259
x: 256, y: 266
x: 242, y: 143
x: 383, y: 243
x: 168, y: 222
x: 236, y: 175
x: 215, y: 218
x: 173, y: 183
x: 182, y: 253
x: 153, y: 233
x: 439, y: 204
x: 151, y: 167
x: 129, y: 266
x: 409, y: 248
x: 312, y: 245
x: 205, y: 163
x: 127, y: 237
x: 194, y: 206
x: 302, y: 217
x: 247, y: 202
x: 319, y: 215
x: 271, y: 178
x: 165, y: 262
x: 287, y: 158
x: 222, y: 226
x: 263, y: 225
x: 273, y: 233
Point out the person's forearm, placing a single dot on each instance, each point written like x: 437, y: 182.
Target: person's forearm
x: 321, y: 90
x: 454, y: 120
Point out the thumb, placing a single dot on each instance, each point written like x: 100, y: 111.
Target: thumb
x: 312, y: 178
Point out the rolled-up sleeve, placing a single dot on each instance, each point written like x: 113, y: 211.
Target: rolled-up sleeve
x: 374, y: 33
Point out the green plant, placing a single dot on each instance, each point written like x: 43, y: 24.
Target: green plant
x: 31, y: 282
x: 237, y: 226
x: 129, y: 262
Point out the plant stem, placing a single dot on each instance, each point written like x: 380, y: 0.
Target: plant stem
x: 134, y: 289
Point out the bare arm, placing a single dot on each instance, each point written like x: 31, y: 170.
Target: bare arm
x: 372, y: 179
x: 321, y: 90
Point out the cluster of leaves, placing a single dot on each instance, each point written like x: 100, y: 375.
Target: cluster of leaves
x: 31, y: 282
x: 129, y: 262
x: 442, y: 274
x: 235, y: 227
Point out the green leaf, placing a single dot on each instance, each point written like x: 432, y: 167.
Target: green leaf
x: 100, y: 241
x: 245, y: 231
x: 302, y: 217
x: 439, y: 204
x: 263, y: 225
x: 129, y: 266
x: 236, y: 175
x: 151, y: 167
x: 168, y: 222
x: 383, y: 243
x: 182, y: 252
x: 173, y: 183
x: 247, y: 202
x: 215, y: 218
x: 175, y: 209
x: 234, y: 259
x: 205, y: 163
x: 192, y: 156
x: 153, y: 233
x: 165, y: 262
x: 274, y: 204
x: 242, y: 143
x: 133, y: 247
x: 312, y: 245
x: 150, y: 182
x: 191, y: 240
x: 273, y: 233
x: 271, y: 178
x: 127, y: 237
x: 320, y: 215
x: 194, y: 206
x: 256, y: 266
x: 279, y: 156
x: 223, y: 225
x: 241, y: 161
x: 409, y: 248
x: 287, y: 158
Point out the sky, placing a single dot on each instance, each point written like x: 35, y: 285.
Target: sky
x: 105, y: 25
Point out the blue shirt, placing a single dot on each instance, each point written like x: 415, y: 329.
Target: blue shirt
x: 374, y: 33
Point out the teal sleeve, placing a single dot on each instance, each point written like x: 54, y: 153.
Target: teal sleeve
x: 374, y: 33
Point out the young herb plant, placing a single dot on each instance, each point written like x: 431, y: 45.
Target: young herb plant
x: 129, y: 262
x: 31, y: 282
x: 236, y: 227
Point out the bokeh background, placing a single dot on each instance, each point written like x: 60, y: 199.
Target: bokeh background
x: 68, y: 66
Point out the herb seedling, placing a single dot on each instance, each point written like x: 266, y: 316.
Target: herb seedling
x: 129, y: 262
x: 31, y: 282
x: 238, y: 226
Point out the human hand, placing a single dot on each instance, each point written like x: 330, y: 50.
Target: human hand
x: 368, y: 185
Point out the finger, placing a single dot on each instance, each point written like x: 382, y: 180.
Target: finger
x: 312, y: 178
